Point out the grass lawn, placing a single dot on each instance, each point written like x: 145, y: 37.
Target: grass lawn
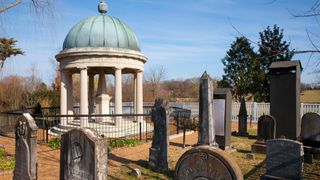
x: 310, y: 96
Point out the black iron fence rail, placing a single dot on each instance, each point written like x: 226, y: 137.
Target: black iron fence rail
x: 137, y: 126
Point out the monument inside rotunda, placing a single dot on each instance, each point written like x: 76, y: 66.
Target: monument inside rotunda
x: 95, y: 47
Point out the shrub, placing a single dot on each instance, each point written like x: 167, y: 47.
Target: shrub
x: 2, y: 153
x: 54, y: 143
x: 7, y: 164
x: 116, y: 143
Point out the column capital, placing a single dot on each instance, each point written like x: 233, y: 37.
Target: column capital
x: 118, y: 68
x: 83, y: 68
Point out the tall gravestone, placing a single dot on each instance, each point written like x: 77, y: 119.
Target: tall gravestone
x: 83, y: 155
x: 266, y: 131
x: 26, y: 149
x: 285, y: 97
x: 223, y: 107
x: 206, y: 162
x: 242, y: 118
x: 206, y: 132
x: 158, y: 153
x: 284, y: 159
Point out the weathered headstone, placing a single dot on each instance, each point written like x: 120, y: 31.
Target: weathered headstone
x: 83, y: 155
x: 158, y: 153
x: 206, y: 132
x: 26, y: 148
x: 223, y: 98
x: 310, y: 136
x: 310, y: 129
x: 266, y: 131
x: 206, y: 162
x: 242, y: 118
x: 284, y: 159
x: 285, y: 98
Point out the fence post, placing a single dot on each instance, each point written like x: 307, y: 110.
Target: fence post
x: 178, y: 118
x: 146, y: 132
x: 140, y: 133
x: 301, y: 109
x: 184, y: 133
x: 47, y: 129
x: 255, y: 111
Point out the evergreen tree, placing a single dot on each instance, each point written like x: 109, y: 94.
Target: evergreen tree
x: 7, y: 49
x: 272, y: 48
x: 241, y: 68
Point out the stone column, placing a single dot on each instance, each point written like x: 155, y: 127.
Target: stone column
x: 63, y: 97
x: 135, y: 93
x: 69, y: 87
x: 91, y: 94
x: 69, y: 93
x: 139, y: 93
x: 84, y: 96
x: 118, y: 90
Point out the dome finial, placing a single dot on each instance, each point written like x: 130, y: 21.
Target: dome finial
x: 102, y: 7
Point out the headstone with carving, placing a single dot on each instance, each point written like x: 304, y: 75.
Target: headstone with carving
x: 158, y: 153
x: 206, y: 162
x: 284, y: 159
x: 242, y: 118
x: 83, y: 155
x: 26, y: 148
x: 206, y: 132
x: 266, y: 131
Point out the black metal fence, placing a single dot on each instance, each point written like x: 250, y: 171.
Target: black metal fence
x: 129, y: 126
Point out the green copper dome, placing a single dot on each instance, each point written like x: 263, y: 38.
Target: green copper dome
x: 101, y: 31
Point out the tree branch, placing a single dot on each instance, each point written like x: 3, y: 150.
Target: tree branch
x: 10, y: 6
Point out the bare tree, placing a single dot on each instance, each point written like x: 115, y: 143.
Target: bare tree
x: 38, y: 5
x: 153, y: 78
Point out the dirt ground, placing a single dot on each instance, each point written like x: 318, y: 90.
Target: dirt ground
x: 122, y: 160
x: 48, y: 159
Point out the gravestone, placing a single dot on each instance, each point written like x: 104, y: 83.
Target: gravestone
x: 284, y: 159
x: 242, y: 118
x: 158, y: 153
x: 310, y: 135
x: 266, y: 131
x: 26, y: 148
x: 285, y: 98
x: 223, y: 104
x: 206, y: 131
x: 206, y: 162
x: 83, y: 155
x: 310, y: 129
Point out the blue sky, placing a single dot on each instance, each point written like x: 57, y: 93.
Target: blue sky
x: 186, y: 37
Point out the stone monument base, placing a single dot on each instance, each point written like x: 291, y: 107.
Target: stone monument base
x: 312, y: 151
x: 259, y: 147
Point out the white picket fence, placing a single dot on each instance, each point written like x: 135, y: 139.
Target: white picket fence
x: 254, y: 110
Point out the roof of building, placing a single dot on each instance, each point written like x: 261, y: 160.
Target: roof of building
x: 101, y: 31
